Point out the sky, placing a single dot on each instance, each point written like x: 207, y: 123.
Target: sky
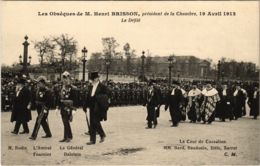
x: 233, y: 37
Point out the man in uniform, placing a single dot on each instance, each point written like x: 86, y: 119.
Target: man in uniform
x: 43, y: 104
x: 97, y: 102
x: 66, y: 105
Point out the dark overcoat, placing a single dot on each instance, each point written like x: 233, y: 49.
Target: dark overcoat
x: 20, y: 113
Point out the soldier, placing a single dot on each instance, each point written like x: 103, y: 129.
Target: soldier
x: 208, y: 106
x: 21, y: 112
x: 173, y: 101
x: 43, y: 104
x: 152, y: 104
x: 66, y: 106
x: 97, y: 102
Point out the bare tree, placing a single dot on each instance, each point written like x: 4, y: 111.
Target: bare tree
x: 45, y: 48
x: 67, y: 49
x: 110, y: 44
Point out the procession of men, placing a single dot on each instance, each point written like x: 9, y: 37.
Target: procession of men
x: 198, y: 101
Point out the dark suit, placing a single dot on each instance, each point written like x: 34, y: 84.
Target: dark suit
x: 226, y: 105
x: 43, y: 102
x: 239, y: 101
x: 253, y: 103
x: 173, y: 101
x: 152, y: 101
x: 98, y: 105
x: 20, y: 113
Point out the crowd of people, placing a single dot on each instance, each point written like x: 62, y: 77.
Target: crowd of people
x: 197, y: 101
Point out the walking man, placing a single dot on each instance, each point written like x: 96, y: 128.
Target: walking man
x: 21, y: 112
x: 97, y: 102
x: 66, y: 105
x: 43, y: 104
x: 173, y: 102
x: 152, y: 104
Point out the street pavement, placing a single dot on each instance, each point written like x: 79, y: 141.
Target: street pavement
x: 129, y: 143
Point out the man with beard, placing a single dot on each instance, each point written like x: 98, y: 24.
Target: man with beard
x: 43, y: 104
x: 173, y: 101
x: 194, y: 96
x: 152, y: 104
x: 21, y: 112
x: 98, y: 103
x: 208, y: 105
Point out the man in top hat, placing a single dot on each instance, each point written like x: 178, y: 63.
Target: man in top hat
x: 21, y: 112
x: 66, y: 105
x: 43, y: 104
x: 97, y: 102
x: 173, y: 101
x: 152, y: 104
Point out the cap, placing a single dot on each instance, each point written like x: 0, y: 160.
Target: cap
x: 65, y: 74
x: 42, y: 79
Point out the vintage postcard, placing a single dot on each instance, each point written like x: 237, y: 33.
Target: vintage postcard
x: 129, y: 83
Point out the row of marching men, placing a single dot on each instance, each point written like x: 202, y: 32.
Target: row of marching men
x: 201, y: 102
x: 97, y: 102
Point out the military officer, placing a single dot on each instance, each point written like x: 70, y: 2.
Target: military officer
x: 43, y: 104
x: 66, y: 105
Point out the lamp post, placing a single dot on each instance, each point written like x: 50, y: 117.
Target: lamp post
x: 218, y: 70
x: 142, y: 57
x: 24, y: 60
x: 41, y: 55
x: 84, y: 52
x: 171, y: 60
x: 107, y: 62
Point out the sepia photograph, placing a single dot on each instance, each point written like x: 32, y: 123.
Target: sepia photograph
x: 129, y: 83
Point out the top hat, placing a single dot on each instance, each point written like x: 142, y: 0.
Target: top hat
x: 21, y: 81
x: 175, y: 82
x: 93, y: 75
x: 151, y: 82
